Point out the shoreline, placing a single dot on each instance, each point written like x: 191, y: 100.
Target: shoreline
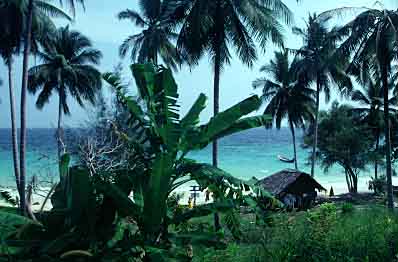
x: 184, y: 192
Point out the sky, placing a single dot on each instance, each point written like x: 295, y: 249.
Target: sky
x: 100, y: 24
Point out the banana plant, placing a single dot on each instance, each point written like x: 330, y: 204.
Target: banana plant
x: 169, y: 137
x: 94, y: 216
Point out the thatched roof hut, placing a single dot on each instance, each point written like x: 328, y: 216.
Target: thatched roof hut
x: 292, y: 187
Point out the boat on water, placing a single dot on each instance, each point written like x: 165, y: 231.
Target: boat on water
x: 285, y: 159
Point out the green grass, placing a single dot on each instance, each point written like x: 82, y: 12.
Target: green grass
x: 329, y: 233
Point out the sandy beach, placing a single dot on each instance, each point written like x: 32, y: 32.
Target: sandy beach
x: 185, y: 194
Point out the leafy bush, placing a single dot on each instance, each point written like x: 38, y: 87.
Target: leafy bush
x: 93, y: 215
x: 378, y: 184
x: 323, y: 235
x: 347, y: 208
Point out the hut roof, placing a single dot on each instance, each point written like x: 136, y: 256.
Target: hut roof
x: 280, y: 182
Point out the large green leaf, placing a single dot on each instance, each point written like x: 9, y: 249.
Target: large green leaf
x: 58, y: 198
x: 157, y: 191
x: 192, y: 119
x: 10, y: 222
x: 144, y: 75
x: 125, y: 206
x: 64, y: 166
x: 206, y: 175
x: 226, y: 119
x: 245, y: 124
x: 203, y: 210
x: 132, y: 104
x: 167, y: 111
x: 8, y: 198
x: 78, y: 195
x: 219, y: 124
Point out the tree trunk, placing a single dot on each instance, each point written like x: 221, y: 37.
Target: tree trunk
x: 390, y: 198
x: 348, y: 181
x: 318, y: 90
x: 216, y: 98
x: 377, y: 150
x: 353, y: 180
x: 14, y: 129
x: 294, y: 143
x: 59, y: 126
x: 216, y: 102
x: 22, y: 145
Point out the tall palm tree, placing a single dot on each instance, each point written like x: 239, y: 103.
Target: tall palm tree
x: 215, y: 26
x: 320, y: 63
x: 370, y: 99
x: 31, y: 7
x: 157, y: 37
x: 69, y: 70
x: 12, y: 28
x: 372, y: 42
x: 287, y: 95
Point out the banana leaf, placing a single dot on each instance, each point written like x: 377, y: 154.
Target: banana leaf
x: 125, y: 206
x: 224, y: 124
x: 203, y: 210
x: 192, y: 119
x: 226, y: 119
x: 156, y: 192
x: 134, y: 108
x: 6, y: 197
x: 10, y: 222
x: 245, y: 124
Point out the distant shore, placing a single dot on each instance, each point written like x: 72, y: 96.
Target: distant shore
x: 184, y: 192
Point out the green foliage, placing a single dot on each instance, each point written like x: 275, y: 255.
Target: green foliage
x: 378, y: 185
x: 157, y: 35
x: 69, y: 66
x: 345, y: 141
x: 170, y: 138
x: 93, y: 214
x: 347, y: 208
x: 323, y: 234
x: 6, y: 196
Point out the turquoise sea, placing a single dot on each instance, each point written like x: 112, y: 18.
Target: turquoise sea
x: 244, y: 155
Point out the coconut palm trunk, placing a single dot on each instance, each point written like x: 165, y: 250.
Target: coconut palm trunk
x: 377, y: 150
x: 59, y: 129
x: 390, y: 200
x: 318, y: 91
x: 22, y: 142
x: 59, y: 126
x: 216, y: 100
x: 14, y: 139
x: 294, y: 143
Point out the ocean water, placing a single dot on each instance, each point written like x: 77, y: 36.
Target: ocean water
x: 245, y: 155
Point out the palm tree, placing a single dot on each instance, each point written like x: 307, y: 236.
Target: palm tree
x: 12, y: 28
x: 214, y: 26
x: 10, y: 39
x: 320, y: 63
x: 31, y: 7
x: 69, y: 70
x: 287, y: 95
x: 370, y: 98
x: 372, y: 42
x: 157, y: 36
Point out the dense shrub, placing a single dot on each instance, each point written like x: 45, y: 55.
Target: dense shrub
x: 326, y: 235
x: 323, y: 234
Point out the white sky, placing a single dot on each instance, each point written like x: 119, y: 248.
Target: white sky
x: 100, y: 24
